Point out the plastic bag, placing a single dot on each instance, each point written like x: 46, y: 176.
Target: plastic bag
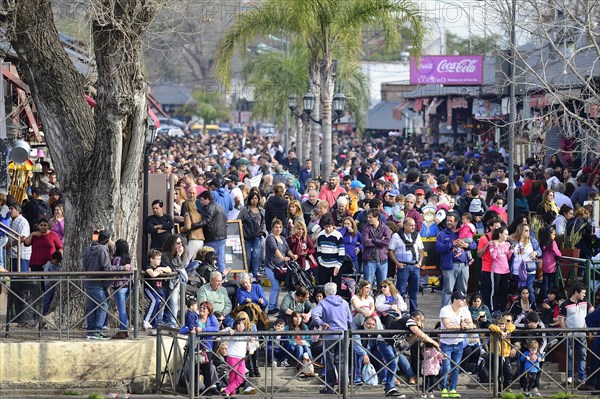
x: 369, y: 375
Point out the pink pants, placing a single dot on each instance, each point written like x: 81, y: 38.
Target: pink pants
x: 236, y: 374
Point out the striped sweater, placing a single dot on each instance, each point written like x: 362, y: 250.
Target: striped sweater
x: 330, y: 249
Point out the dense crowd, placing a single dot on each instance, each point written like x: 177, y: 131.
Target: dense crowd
x: 360, y: 231
x: 351, y: 249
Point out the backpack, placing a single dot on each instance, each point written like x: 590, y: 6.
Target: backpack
x: 41, y: 210
x: 483, y: 374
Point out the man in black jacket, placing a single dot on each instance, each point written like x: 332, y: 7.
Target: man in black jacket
x: 214, y: 222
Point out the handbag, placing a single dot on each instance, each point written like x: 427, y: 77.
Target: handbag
x: 202, y: 356
x: 280, y: 272
x: 530, y: 266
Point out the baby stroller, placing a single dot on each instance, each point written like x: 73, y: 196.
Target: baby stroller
x: 349, y: 279
x: 297, y: 276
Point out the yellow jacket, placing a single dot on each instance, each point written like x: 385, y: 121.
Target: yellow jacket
x: 497, y: 340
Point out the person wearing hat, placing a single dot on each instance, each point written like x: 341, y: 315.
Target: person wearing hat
x: 419, y: 200
x: 20, y: 225
x: 453, y: 317
x: 529, y: 327
x: 235, y: 194
x: 355, y: 193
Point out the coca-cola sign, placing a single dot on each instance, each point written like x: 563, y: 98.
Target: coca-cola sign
x: 447, y: 70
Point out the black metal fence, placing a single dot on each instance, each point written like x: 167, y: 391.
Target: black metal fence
x: 174, y: 374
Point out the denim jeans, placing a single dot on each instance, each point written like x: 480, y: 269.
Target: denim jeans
x: 97, y: 306
x: 530, y: 280
x: 333, y: 359
x: 48, y: 294
x: 219, y: 247
x: 24, y: 265
x: 3, y: 241
x: 453, y: 352
x: 454, y: 280
x: 547, y: 283
x: 388, y: 369
x: 372, y: 270
x: 121, y: 295
x: 253, y: 254
x: 409, y: 274
x: 580, y: 357
x: 275, y: 288
x: 299, y: 351
x: 172, y: 305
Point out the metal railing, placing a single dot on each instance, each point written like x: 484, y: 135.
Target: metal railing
x: 12, y: 235
x: 173, y: 353
x: 570, y: 271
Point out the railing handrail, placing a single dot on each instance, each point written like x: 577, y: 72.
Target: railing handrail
x: 12, y: 233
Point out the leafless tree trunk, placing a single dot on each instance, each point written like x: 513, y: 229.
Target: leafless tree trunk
x: 97, y: 153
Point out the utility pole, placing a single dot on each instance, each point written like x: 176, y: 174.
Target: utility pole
x: 512, y: 115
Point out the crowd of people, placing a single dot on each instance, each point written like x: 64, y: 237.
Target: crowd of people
x: 360, y: 230
x: 359, y: 235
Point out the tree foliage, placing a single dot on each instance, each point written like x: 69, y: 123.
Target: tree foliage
x: 323, y: 26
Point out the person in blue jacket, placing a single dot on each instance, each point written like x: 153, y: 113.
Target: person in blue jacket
x: 592, y: 320
x: 453, y: 258
x: 250, y: 293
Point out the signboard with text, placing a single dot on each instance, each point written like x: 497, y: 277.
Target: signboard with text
x: 447, y: 70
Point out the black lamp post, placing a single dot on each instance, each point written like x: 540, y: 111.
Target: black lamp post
x: 150, y: 136
x: 308, y: 104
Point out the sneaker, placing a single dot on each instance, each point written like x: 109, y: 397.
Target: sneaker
x: 453, y: 394
x: 394, y: 392
x: 424, y: 396
x: 412, y: 380
x: 358, y: 383
x: 250, y: 391
x: 284, y: 363
x: 305, y: 356
x: 147, y: 326
x: 103, y: 337
x: 535, y: 390
x: 153, y: 332
x: 570, y: 380
x: 326, y: 391
x: 92, y: 336
x: 445, y: 393
x: 431, y: 395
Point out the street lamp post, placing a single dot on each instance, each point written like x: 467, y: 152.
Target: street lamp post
x: 150, y: 136
x: 308, y: 106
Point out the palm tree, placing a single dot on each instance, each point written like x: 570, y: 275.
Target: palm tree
x: 276, y: 74
x: 324, y: 26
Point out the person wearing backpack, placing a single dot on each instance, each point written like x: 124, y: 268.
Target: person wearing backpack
x: 36, y: 208
x: 406, y: 251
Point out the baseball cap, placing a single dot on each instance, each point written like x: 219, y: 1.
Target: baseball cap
x: 394, y: 193
x: 357, y: 184
x: 419, y: 191
x: 458, y: 295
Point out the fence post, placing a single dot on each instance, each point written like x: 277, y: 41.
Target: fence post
x: 346, y: 358
x: 181, y: 304
x: 136, y: 303
x: 495, y: 364
x: 158, y: 359
x: 192, y: 351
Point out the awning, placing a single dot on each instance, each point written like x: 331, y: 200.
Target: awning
x: 397, y: 111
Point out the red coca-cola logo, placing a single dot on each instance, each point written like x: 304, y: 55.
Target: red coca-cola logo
x: 462, y: 66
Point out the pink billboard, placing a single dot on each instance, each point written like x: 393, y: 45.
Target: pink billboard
x: 447, y: 70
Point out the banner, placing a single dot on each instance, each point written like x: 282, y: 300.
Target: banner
x: 447, y: 70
